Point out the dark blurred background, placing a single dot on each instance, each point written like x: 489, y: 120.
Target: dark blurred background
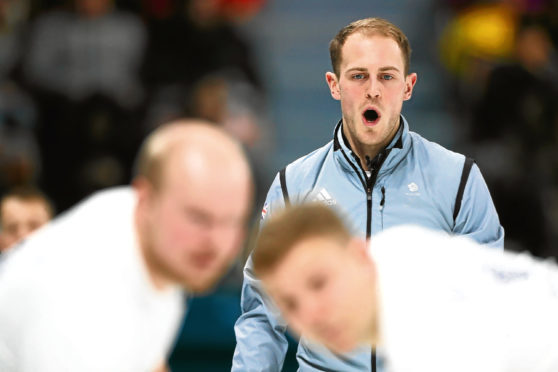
x: 83, y: 81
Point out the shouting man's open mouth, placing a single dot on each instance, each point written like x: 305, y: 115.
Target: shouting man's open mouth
x: 371, y: 116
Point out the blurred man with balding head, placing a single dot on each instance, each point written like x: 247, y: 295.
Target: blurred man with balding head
x: 99, y: 289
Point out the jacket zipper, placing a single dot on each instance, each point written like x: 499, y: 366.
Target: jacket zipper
x: 368, y: 184
x: 368, y: 209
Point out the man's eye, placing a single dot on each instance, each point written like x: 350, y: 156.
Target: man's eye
x: 387, y: 77
x: 358, y: 76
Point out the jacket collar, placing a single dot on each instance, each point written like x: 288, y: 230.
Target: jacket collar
x: 395, y: 150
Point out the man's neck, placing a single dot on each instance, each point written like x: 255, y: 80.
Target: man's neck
x: 367, y: 153
x: 366, y: 156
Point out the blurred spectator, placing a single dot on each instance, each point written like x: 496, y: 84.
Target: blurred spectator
x: 478, y: 37
x: 83, y: 65
x: 13, y: 14
x: 515, y: 132
x: 196, y: 39
x: 505, y: 84
x: 189, y: 41
x: 19, y: 158
x: 19, y: 154
x: 198, y: 64
x: 94, y: 49
x: 22, y: 211
x: 234, y: 103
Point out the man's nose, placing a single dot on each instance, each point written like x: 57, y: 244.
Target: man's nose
x: 373, y: 89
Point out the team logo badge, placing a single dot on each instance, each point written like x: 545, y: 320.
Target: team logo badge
x: 413, y: 187
x: 324, y: 197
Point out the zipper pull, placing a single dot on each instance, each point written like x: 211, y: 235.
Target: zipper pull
x: 369, y: 194
x: 382, y: 202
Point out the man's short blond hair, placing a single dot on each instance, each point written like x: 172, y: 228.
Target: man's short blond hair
x: 289, y: 227
x: 369, y: 26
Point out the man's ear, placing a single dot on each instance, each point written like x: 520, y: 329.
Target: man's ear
x: 333, y: 84
x: 410, y: 81
x: 144, y: 190
x: 2, y: 243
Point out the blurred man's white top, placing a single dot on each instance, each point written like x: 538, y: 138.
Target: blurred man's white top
x: 456, y: 306
x: 76, y: 295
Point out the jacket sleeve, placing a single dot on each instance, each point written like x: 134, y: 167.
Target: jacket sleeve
x: 261, y: 343
x: 477, y: 217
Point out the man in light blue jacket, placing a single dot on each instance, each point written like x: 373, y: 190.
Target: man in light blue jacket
x: 376, y: 172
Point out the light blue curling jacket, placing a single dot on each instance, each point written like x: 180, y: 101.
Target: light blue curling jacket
x: 413, y: 181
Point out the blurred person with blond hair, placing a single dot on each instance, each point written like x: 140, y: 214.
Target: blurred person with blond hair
x: 100, y: 288
x: 462, y: 307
